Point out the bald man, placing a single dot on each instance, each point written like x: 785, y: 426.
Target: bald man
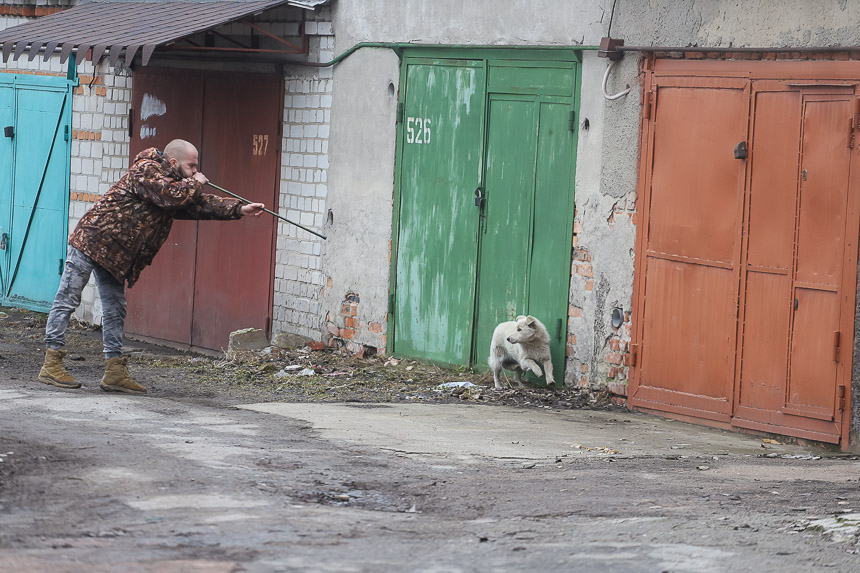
x: 117, y: 239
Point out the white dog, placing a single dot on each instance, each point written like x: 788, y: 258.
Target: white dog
x: 520, y: 345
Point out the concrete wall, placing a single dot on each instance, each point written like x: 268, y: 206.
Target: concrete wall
x: 608, y: 150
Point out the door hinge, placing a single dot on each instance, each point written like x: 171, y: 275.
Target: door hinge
x: 646, y: 106
x: 66, y: 133
x: 836, y: 343
x: 634, y: 354
x: 60, y: 270
x: 853, y: 120
x: 399, y: 113
x: 130, y: 122
x: 391, y: 303
x: 840, y: 394
x: 558, y: 327
x: 572, y: 124
x: 9, y: 131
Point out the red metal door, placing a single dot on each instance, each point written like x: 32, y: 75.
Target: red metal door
x: 233, y: 286
x: 210, y: 277
x: 689, y: 242
x: 795, y: 258
x: 164, y: 107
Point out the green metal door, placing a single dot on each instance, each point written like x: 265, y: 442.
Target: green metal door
x: 34, y: 167
x: 437, y: 230
x: 481, y: 266
x: 526, y: 243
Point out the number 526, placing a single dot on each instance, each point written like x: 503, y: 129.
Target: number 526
x: 417, y: 130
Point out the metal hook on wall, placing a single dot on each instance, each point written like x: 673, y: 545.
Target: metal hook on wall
x: 603, y: 86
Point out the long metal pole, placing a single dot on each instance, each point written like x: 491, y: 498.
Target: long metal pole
x: 240, y: 198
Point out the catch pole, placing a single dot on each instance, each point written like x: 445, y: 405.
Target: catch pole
x: 222, y: 190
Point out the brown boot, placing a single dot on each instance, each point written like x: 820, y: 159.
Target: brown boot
x: 117, y: 378
x: 54, y: 373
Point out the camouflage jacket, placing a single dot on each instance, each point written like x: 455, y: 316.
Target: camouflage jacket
x: 126, y: 227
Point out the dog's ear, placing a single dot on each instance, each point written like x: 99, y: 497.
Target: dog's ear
x: 530, y: 320
x: 520, y: 317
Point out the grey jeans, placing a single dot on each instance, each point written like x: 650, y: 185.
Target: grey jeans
x: 76, y: 275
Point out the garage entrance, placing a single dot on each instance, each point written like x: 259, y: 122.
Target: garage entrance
x: 484, y: 202
x: 35, y: 117
x: 747, y: 248
x: 210, y: 277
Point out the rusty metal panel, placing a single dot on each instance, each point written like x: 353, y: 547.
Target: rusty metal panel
x: 812, y: 380
x: 695, y: 185
x: 824, y: 186
x: 689, y: 322
x: 765, y: 344
x: 165, y: 106
x: 774, y: 156
x: 235, y: 259
x: 117, y: 26
x: 820, y: 250
x: 772, y: 197
x: 688, y: 290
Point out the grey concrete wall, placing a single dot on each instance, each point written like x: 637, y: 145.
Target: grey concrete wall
x: 361, y: 182
x: 608, y: 151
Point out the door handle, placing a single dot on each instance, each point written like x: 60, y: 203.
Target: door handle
x: 4, y: 240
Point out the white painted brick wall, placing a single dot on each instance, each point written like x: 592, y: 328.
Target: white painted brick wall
x: 304, y: 161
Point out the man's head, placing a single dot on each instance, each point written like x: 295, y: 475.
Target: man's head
x: 182, y: 157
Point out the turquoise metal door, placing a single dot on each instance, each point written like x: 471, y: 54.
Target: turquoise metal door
x: 34, y: 164
x: 437, y: 229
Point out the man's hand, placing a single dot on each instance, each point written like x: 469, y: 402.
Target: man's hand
x: 252, y: 209
x: 201, y: 178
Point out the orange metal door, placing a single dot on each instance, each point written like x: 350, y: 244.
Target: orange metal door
x: 798, y: 209
x: 746, y: 268
x: 689, y: 242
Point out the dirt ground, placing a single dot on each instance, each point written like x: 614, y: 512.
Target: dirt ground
x: 284, y: 374
x: 183, y: 480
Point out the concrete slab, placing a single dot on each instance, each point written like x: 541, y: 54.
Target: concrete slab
x: 476, y: 432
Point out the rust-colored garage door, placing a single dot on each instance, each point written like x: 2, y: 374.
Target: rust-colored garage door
x: 747, y: 248
x: 211, y: 277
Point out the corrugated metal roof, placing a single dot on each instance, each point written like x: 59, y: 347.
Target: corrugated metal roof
x: 121, y: 26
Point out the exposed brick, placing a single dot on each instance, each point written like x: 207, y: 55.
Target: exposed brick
x: 374, y: 327
x: 349, y: 322
x: 614, y: 358
x: 589, y: 285
x: 580, y: 254
x: 584, y: 270
x: 316, y: 345
x: 347, y: 333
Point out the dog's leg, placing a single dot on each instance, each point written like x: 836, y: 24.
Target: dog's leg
x: 518, y: 376
x: 532, y: 365
x: 497, y: 369
x: 547, y: 368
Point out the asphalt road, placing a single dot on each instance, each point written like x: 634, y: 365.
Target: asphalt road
x: 96, y: 482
